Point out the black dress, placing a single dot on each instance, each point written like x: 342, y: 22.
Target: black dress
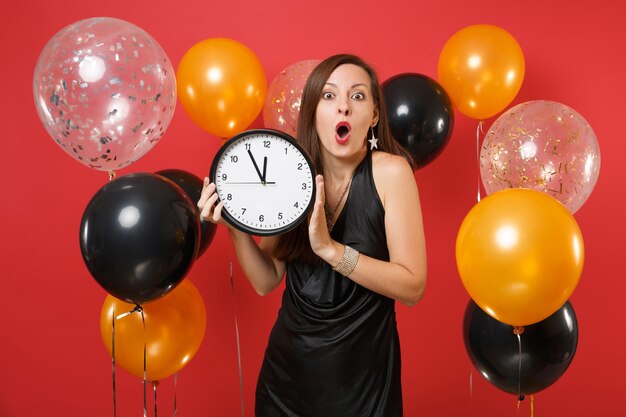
x: 334, y: 349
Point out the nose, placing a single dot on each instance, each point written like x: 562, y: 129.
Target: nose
x: 343, y: 108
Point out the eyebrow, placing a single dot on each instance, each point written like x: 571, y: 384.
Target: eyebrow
x: 351, y: 87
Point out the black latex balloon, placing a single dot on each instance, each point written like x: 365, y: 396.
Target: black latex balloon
x: 139, y: 236
x: 548, y: 348
x: 192, y: 185
x: 420, y: 115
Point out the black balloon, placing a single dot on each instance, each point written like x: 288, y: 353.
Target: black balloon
x: 548, y: 348
x: 420, y: 115
x: 139, y: 236
x: 192, y: 185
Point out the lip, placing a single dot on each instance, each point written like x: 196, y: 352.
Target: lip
x: 343, y: 140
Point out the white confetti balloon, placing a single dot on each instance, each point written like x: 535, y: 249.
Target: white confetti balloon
x: 105, y: 91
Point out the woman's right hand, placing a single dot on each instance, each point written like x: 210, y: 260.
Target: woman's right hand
x: 208, y: 210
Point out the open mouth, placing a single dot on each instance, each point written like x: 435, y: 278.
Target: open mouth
x: 342, y: 132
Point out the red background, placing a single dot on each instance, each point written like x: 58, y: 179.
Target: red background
x: 52, y: 361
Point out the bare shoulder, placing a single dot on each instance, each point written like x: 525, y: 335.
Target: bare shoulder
x: 390, y: 165
x: 392, y: 174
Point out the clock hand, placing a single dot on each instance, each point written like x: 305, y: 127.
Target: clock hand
x: 264, y: 168
x: 256, y: 166
x: 250, y: 182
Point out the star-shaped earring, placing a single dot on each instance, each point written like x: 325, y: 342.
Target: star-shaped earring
x: 373, y: 141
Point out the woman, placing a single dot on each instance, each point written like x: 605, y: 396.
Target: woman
x: 334, y: 349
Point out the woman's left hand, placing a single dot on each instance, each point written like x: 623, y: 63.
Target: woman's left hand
x: 320, y: 239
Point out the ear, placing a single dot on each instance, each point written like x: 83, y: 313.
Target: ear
x: 375, y: 119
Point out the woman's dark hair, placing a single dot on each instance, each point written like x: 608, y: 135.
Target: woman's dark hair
x: 294, y: 245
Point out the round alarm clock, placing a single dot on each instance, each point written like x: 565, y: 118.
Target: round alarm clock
x: 265, y: 180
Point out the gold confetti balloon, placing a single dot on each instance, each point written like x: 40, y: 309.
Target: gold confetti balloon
x: 105, y: 91
x: 282, y: 105
x: 545, y: 146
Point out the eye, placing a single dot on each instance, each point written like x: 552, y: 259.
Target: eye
x: 327, y: 95
x: 358, y: 96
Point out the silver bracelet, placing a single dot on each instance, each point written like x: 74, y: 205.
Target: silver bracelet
x: 348, y: 261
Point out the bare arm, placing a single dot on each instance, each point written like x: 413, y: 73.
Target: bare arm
x: 403, y: 278
x: 262, y: 270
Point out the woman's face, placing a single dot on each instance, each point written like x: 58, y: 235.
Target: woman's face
x: 345, y: 111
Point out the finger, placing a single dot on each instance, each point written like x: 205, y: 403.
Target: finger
x: 320, y: 193
x: 319, y: 197
x: 203, y: 194
x: 206, y: 213
x: 217, y: 213
x: 207, y: 190
x: 209, y: 207
x: 319, y: 214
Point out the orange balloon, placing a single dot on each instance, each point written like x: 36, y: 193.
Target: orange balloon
x: 175, y: 326
x: 482, y: 68
x: 221, y: 85
x: 520, y: 255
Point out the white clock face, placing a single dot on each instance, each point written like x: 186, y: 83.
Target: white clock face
x: 265, y: 181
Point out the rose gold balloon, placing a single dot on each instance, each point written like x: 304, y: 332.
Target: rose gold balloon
x: 545, y: 146
x: 282, y: 105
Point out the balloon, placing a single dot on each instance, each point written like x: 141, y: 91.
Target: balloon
x: 548, y: 348
x: 105, y: 91
x: 139, y: 236
x: 420, y: 115
x: 175, y: 326
x: 545, y: 146
x: 482, y: 68
x: 520, y: 254
x: 221, y: 85
x: 192, y: 186
x: 282, y: 105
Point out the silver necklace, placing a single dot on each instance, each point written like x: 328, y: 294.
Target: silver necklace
x: 331, y: 214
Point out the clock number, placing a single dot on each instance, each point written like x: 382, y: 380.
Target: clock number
x: 266, y: 143
x: 299, y: 166
x: 304, y: 185
x: 296, y: 205
x: 234, y: 159
x: 243, y: 210
x: 224, y: 176
x: 247, y: 146
x: 229, y: 197
x: 261, y: 218
x: 280, y: 216
x: 285, y: 151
